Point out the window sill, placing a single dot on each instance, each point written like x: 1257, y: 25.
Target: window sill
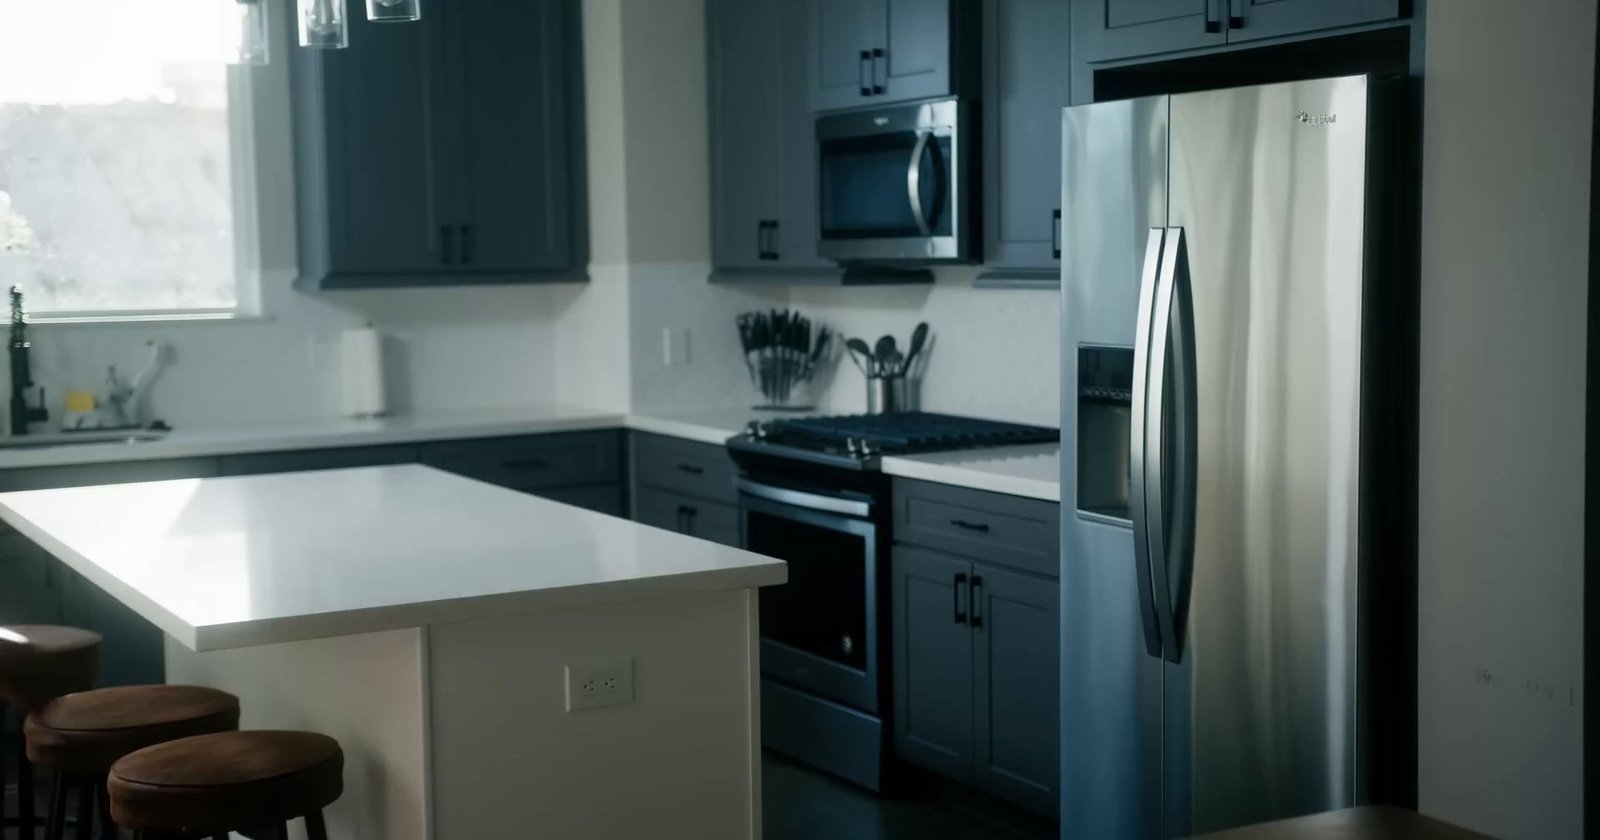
x: 163, y: 318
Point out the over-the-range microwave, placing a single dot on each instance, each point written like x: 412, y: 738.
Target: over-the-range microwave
x: 894, y: 184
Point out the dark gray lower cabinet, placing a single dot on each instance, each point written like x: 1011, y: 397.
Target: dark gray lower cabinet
x: 133, y: 651
x: 933, y: 663
x: 30, y: 591
x: 600, y: 498
x: 975, y: 675
x: 262, y: 463
x: 687, y: 515
x: 533, y: 463
x: 1017, y: 702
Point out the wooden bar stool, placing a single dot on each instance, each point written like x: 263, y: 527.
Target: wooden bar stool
x: 82, y: 735
x: 209, y: 785
x: 38, y: 663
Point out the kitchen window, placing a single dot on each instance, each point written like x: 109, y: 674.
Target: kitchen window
x: 123, y: 139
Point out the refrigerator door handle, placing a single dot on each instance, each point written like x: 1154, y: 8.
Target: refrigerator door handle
x: 1137, y: 505
x: 1169, y: 479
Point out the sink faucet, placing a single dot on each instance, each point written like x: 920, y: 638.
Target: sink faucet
x: 22, y: 414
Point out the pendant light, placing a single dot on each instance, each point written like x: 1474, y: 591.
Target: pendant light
x: 394, y: 10
x: 322, y: 24
x: 246, y: 31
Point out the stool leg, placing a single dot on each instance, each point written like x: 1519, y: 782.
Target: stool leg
x: 85, y: 808
x: 102, y: 801
x: 54, y: 826
x: 5, y: 741
x: 315, y: 829
x: 25, y: 791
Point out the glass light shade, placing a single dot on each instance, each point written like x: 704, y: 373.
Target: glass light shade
x: 246, y: 32
x: 394, y: 10
x: 322, y: 24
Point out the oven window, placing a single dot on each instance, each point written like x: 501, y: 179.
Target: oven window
x: 864, y: 191
x: 823, y: 608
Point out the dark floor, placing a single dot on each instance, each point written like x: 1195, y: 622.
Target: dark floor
x: 799, y: 803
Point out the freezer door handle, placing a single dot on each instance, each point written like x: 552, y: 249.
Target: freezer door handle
x: 1136, y: 440
x: 1169, y: 445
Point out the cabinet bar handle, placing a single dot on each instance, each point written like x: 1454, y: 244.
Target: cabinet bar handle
x: 447, y: 244
x: 977, y: 598
x: 691, y: 469
x: 1055, y: 233
x: 772, y: 239
x: 863, y: 71
x: 686, y: 515
x: 1213, y: 23
x: 961, y: 614
x: 963, y: 524
x: 880, y: 56
x: 1235, y: 14
x: 466, y: 244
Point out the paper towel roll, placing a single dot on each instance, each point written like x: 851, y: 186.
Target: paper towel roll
x: 361, y: 373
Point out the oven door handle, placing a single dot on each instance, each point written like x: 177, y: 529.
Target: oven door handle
x: 914, y: 182
x: 801, y: 499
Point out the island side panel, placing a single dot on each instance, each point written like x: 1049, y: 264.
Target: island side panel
x: 367, y: 691
x: 679, y: 761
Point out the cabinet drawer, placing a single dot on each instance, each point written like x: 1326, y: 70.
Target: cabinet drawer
x: 996, y: 528
x: 262, y: 463
x: 602, y: 498
x: 687, y: 515
x: 695, y: 469
x: 532, y: 463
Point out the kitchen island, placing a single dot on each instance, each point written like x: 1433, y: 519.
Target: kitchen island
x: 440, y: 628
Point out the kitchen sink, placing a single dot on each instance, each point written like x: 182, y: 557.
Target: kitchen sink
x: 80, y: 439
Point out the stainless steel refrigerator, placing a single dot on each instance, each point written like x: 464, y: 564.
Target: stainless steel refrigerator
x: 1219, y: 254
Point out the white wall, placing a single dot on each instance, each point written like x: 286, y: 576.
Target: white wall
x: 1506, y: 205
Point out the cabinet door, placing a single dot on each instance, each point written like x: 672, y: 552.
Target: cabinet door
x: 368, y: 142
x: 600, y: 498
x: 1113, y: 29
x: 1026, y: 79
x: 933, y: 677
x: 687, y: 515
x: 917, y: 64
x: 797, y: 232
x: 1015, y: 633
x: 132, y: 652
x: 747, y: 130
x: 30, y: 590
x: 514, y: 165
x: 1250, y: 20
x: 843, y: 35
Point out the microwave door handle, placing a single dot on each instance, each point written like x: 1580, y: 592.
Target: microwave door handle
x: 1138, y: 509
x: 914, y: 182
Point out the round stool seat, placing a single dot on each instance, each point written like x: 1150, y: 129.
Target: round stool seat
x: 88, y: 731
x: 40, y: 662
x: 210, y: 784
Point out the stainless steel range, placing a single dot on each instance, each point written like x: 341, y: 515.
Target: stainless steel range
x: 811, y: 493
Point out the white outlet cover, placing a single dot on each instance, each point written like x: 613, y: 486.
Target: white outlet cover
x: 600, y: 682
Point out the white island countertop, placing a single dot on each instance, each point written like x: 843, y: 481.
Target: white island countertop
x: 233, y: 562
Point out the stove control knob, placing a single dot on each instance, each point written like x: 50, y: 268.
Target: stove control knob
x: 852, y: 446
x: 868, y: 449
x: 755, y: 429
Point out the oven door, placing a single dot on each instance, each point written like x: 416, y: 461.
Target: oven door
x: 891, y: 184
x: 819, y: 631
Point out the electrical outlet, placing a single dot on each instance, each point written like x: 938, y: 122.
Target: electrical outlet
x: 674, y: 346
x: 599, y: 682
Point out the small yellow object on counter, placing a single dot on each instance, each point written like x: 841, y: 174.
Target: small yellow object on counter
x: 80, y: 401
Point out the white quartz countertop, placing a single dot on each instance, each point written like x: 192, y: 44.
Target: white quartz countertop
x: 1032, y: 471
x: 232, y: 562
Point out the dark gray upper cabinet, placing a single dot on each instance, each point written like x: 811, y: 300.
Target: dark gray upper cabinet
x: 869, y: 52
x: 1017, y: 701
x: 421, y: 161
x: 1249, y: 20
x: 1113, y: 29
x: 763, y: 158
x: 1026, y: 83
x: 933, y: 663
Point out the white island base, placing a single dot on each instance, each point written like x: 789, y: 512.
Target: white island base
x: 461, y: 730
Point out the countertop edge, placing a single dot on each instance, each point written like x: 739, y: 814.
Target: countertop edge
x: 973, y: 479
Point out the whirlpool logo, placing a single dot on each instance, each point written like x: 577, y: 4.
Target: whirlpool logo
x: 1316, y: 120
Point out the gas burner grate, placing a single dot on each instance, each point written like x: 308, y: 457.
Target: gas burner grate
x: 912, y: 431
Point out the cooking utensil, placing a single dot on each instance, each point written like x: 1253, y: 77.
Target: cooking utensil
x: 886, y: 345
x: 781, y: 351
x: 918, y: 337
x: 859, y: 351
